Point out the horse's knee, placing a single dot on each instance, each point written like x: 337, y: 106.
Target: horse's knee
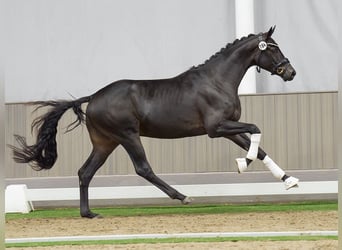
x: 253, y: 129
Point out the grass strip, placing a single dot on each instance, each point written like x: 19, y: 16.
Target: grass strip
x: 172, y: 240
x: 191, y: 209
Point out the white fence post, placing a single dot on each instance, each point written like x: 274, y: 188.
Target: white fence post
x: 16, y: 199
x: 244, y: 20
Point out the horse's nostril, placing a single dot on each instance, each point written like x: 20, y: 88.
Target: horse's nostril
x: 293, y: 73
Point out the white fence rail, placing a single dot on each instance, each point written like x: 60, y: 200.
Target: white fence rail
x: 19, y: 198
x: 203, y: 190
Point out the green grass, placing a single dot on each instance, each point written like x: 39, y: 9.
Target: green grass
x: 175, y: 240
x: 192, y: 209
x: 169, y: 210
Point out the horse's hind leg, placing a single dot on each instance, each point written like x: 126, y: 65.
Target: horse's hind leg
x: 136, y: 152
x: 95, y: 160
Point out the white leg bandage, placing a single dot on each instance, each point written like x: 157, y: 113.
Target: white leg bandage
x: 253, y: 148
x: 242, y: 164
x: 273, y: 167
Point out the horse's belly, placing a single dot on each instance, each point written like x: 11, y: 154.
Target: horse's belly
x: 171, y: 130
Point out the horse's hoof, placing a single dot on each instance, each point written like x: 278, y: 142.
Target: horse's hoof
x: 91, y: 215
x: 242, y: 164
x: 187, y: 200
x: 291, y: 182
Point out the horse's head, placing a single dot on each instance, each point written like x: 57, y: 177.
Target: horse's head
x: 272, y: 59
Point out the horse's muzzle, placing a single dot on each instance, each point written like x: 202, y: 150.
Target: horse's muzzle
x: 289, y: 73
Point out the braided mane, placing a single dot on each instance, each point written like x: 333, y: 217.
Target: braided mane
x: 223, y: 50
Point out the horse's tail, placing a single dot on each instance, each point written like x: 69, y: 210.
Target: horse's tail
x: 43, y: 154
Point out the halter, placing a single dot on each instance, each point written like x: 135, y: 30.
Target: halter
x: 277, y: 68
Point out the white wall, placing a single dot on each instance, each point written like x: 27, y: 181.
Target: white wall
x: 58, y: 47
x: 307, y: 34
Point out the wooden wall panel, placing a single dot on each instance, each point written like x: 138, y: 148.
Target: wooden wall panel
x: 297, y: 132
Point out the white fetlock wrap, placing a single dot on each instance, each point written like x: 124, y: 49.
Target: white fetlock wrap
x: 273, y: 167
x: 253, y: 148
x: 242, y: 164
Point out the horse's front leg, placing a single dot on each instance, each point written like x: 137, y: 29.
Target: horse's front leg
x: 235, y: 131
x: 230, y: 129
x: 244, y: 142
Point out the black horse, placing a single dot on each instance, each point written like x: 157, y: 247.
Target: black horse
x: 202, y: 100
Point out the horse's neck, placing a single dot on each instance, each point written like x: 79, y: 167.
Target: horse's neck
x: 231, y: 69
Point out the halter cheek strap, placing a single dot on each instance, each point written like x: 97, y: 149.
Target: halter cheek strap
x: 277, y: 69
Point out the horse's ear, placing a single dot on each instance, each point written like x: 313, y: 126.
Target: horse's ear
x: 270, y: 32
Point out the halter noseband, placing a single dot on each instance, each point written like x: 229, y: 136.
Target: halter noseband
x: 277, y: 68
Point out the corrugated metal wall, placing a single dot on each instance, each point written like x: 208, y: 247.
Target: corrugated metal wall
x: 298, y: 133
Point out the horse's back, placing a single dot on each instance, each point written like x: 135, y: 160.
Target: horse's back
x: 163, y: 108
